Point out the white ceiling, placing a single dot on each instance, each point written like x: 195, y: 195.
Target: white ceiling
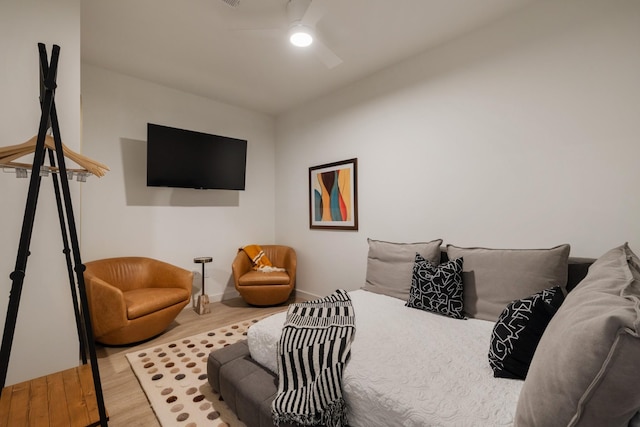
x: 199, y: 46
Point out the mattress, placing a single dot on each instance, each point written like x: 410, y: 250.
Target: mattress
x: 410, y: 367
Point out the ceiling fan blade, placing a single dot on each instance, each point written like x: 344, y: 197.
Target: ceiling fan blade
x: 326, y: 55
x: 232, y: 3
x: 314, y: 12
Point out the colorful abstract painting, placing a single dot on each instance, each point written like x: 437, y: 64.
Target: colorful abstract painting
x: 333, y: 195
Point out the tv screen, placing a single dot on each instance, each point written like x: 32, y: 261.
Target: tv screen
x: 188, y: 159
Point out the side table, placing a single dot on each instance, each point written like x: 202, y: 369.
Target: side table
x: 203, y: 300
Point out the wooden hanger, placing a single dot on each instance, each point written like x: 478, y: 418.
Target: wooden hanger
x: 12, y: 152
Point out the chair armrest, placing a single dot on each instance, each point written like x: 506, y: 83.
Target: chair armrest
x: 280, y: 256
x: 107, y: 307
x: 283, y: 256
x: 291, y: 261
x: 166, y: 275
x: 241, y: 265
x: 291, y: 264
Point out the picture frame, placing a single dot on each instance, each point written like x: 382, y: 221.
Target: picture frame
x: 333, y: 195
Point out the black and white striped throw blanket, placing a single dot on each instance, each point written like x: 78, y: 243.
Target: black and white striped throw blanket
x: 314, y: 347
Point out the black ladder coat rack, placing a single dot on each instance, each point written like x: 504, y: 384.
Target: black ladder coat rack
x: 49, y: 120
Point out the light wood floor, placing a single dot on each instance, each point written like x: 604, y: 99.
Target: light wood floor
x: 125, y: 400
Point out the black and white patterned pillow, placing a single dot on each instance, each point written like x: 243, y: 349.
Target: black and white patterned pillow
x: 437, y: 288
x: 518, y: 330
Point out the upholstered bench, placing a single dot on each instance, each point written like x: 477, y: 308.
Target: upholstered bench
x: 244, y: 385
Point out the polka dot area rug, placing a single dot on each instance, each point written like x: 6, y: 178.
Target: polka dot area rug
x: 174, y: 378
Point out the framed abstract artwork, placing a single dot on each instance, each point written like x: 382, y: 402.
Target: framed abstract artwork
x: 333, y: 195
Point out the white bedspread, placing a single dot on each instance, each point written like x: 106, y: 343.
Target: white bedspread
x: 409, y: 367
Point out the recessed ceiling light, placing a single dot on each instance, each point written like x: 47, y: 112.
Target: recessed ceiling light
x: 300, y: 35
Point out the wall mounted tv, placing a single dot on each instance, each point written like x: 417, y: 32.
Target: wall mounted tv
x: 189, y: 159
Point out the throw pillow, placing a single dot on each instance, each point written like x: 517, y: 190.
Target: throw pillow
x: 585, y: 371
x: 493, y: 278
x: 437, y: 288
x: 389, y: 265
x: 518, y: 330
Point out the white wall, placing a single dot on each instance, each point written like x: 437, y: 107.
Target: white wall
x: 45, y: 339
x: 123, y: 217
x: 523, y: 134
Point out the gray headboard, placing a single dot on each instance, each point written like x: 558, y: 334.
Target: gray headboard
x: 578, y: 268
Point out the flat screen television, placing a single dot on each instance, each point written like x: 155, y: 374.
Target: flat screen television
x: 188, y: 159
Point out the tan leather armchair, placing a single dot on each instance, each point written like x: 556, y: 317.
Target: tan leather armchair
x: 132, y: 299
x: 263, y: 289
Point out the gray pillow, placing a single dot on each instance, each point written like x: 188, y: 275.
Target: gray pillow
x: 586, y: 369
x: 390, y: 265
x: 493, y: 278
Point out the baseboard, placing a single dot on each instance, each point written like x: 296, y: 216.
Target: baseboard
x: 213, y: 298
x: 234, y: 294
x: 306, y: 295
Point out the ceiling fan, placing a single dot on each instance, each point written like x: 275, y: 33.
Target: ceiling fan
x: 302, y: 17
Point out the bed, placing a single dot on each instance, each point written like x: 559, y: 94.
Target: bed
x: 387, y: 383
x: 415, y: 368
